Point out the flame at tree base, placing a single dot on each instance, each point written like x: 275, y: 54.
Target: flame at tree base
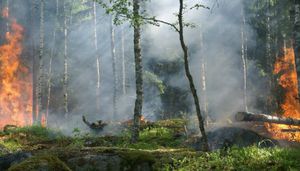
x: 285, y: 68
x: 15, y: 80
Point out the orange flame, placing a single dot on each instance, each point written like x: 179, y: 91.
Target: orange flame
x: 15, y: 80
x: 285, y: 68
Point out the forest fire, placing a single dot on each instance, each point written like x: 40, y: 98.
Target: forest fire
x: 15, y: 80
x: 286, y: 70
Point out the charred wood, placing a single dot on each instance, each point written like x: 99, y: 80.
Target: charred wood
x: 98, y: 125
x: 290, y: 130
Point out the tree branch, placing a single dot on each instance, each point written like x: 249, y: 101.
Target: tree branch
x: 162, y: 22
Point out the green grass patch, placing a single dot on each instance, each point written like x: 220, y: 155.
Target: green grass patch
x: 250, y: 158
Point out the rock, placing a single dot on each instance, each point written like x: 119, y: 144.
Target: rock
x: 101, y: 162
x: 41, y: 163
x: 109, y: 162
x: 10, y: 159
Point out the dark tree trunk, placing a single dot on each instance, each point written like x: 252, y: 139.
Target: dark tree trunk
x: 190, y: 78
x: 34, y: 63
x: 41, y: 67
x: 138, y: 74
x: 297, y: 38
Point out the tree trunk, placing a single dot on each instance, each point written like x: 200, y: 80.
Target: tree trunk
x: 297, y: 38
x: 123, y: 63
x: 114, y: 65
x: 97, y: 58
x: 41, y: 67
x: 138, y: 74
x: 34, y: 64
x: 270, y: 62
x: 244, y: 60
x: 190, y: 78
x: 251, y: 117
x: 7, y: 23
x: 203, y: 81
x: 65, y: 77
x: 50, y: 61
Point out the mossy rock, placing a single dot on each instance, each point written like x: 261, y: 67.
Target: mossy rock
x: 38, y: 163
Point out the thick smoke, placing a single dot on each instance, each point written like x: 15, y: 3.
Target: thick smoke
x: 221, y: 38
x: 221, y: 30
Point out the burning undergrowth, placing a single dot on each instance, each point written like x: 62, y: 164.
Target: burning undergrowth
x: 285, y: 70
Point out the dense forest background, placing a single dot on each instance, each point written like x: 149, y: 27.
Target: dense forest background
x: 82, y: 63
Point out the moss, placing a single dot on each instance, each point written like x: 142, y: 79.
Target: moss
x: 134, y: 157
x: 41, y: 163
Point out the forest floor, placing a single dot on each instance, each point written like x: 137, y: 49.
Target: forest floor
x: 162, y: 147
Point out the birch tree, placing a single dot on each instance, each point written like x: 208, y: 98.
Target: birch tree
x: 244, y: 59
x: 114, y: 66
x: 124, y: 11
x: 49, y: 81
x: 65, y: 75
x: 97, y: 55
x: 203, y: 81
x: 123, y: 62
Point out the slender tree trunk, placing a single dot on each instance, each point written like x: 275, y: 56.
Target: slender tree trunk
x: 123, y: 63
x: 65, y: 77
x: 7, y: 23
x: 203, y: 81
x: 138, y: 74
x: 190, y: 78
x: 41, y: 67
x: 114, y: 65
x: 270, y: 102
x: 97, y: 58
x: 49, y: 82
x: 297, y: 38
x: 34, y: 64
x: 244, y: 60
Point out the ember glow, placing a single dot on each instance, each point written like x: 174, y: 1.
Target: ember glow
x: 285, y: 68
x: 15, y: 80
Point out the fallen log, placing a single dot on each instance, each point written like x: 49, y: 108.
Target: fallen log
x: 290, y: 130
x: 251, y: 117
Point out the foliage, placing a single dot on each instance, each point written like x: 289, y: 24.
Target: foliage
x: 156, y: 138
x: 153, y: 79
x: 77, y: 140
